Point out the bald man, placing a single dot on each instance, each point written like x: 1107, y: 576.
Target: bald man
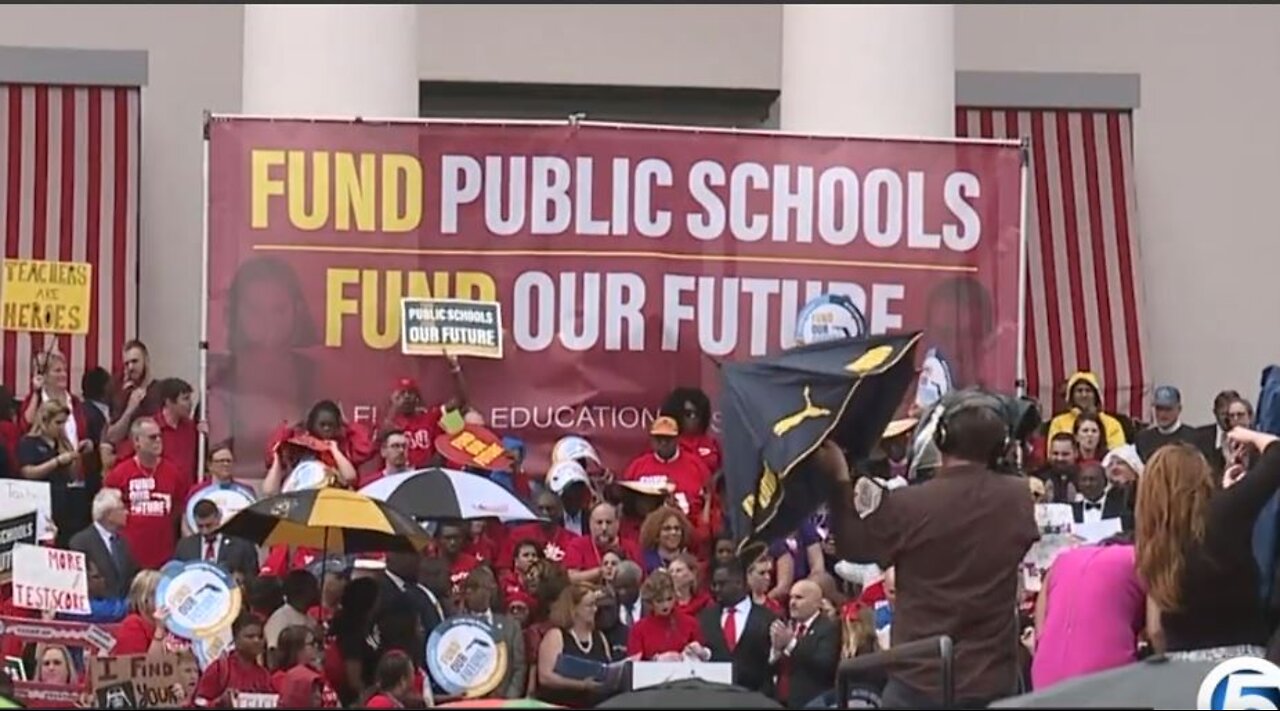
x: 806, y: 651
x: 583, y: 557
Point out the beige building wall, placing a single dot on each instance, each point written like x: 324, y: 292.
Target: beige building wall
x: 1205, y: 139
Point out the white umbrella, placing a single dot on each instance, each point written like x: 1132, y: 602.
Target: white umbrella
x: 438, y: 493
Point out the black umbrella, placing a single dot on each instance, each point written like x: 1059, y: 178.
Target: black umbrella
x: 691, y: 694
x: 1156, y: 683
x: 777, y: 410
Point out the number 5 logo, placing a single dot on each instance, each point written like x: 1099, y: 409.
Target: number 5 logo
x: 1241, y: 683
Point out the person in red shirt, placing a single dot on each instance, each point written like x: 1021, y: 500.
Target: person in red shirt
x: 297, y: 677
x: 583, y: 557
x: 240, y: 671
x: 135, y: 393
x: 665, y: 633
x: 667, y: 463
x: 639, y: 499
x: 690, y: 597
x: 395, y: 457
x: 143, y: 630
x: 154, y: 493
x: 551, y: 534
x: 393, y: 682
x: 760, y: 583
x: 420, y: 424
x: 452, y: 539
x: 691, y: 409
x: 324, y: 422
x: 516, y: 579
x: 178, y: 431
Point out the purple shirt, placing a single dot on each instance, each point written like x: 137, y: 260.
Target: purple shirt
x: 1095, y: 609
x: 796, y: 544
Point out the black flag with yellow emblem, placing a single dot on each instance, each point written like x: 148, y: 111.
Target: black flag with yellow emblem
x: 777, y: 410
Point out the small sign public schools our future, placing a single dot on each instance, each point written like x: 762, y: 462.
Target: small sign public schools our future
x: 451, y: 327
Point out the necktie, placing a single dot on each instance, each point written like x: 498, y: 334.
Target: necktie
x: 117, y: 553
x: 210, y: 553
x: 731, y: 628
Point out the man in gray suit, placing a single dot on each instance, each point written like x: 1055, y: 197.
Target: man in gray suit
x: 479, y: 597
x: 234, y: 555
x: 103, y: 544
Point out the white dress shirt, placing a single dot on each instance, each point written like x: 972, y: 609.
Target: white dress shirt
x: 217, y: 548
x: 795, y: 639
x: 576, y: 524
x: 107, y: 536
x: 740, y: 613
x: 1091, y: 511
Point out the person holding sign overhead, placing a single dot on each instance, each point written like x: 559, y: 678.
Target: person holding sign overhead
x: 421, y: 424
x: 668, y: 464
x: 240, y: 671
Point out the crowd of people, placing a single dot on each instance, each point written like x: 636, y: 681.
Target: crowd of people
x: 639, y: 563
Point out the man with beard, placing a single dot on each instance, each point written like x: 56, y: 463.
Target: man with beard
x: 136, y: 395
x: 1059, y: 474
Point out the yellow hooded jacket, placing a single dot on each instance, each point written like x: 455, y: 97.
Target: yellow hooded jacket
x: 1066, y: 421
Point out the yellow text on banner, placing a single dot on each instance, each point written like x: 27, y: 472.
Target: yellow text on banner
x: 45, y: 297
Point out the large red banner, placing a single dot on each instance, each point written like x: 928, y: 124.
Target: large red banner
x: 628, y: 260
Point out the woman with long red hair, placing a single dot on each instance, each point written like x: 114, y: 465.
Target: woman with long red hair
x: 1194, y: 546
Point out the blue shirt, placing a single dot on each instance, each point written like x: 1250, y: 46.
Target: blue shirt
x: 101, y: 611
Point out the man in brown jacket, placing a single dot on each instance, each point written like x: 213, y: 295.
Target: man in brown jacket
x: 955, y: 542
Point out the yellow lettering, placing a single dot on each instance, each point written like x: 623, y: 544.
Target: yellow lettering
x: 318, y: 192
x: 262, y: 185
x: 355, y: 192
x: 418, y: 288
x: 489, y: 454
x: 390, y: 334
x: 401, y: 192
x: 337, y: 304
x: 464, y: 439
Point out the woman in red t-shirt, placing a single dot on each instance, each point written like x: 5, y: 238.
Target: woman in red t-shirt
x: 393, y: 683
x: 240, y: 671
x: 664, y: 633
x: 297, y: 678
x: 143, y: 630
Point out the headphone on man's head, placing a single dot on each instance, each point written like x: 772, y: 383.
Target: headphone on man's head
x: 958, y: 401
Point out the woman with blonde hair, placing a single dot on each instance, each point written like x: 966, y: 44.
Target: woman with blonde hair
x: 143, y: 629
x: 56, y: 666
x: 47, y: 454
x: 1194, y: 548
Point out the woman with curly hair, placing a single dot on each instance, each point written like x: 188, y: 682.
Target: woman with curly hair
x: 692, y: 409
x: 664, y: 536
x: 1194, y: 547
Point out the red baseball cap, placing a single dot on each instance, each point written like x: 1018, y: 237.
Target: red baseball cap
x: 404, y: 384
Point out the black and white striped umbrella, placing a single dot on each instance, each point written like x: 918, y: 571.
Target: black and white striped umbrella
x: 445, y: 493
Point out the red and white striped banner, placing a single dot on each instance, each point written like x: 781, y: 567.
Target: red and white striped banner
x: 1084, y: 302
x: 69, y: 192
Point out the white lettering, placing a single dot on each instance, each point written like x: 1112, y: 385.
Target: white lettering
x: 460, y: 184
x: 958, y: 187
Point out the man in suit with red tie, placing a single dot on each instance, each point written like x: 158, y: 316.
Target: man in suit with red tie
x: 806, y: 651
x: 737, y: 630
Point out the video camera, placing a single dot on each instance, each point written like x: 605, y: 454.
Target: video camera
x: 1021, y: 416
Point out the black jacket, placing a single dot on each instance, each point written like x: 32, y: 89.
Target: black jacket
x: 751, y: 656
x: 812, y: 664
x: 234, y: 554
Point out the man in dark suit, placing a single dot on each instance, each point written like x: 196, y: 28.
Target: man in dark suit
x: 806, y: 652
x: 234, y: 555
x: 399, y: 585
x: 1095, y: 501
x: 737, y: 630
x: 103, y: 544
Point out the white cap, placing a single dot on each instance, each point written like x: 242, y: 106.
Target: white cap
x: 572, y: 449
x: 562, y: 474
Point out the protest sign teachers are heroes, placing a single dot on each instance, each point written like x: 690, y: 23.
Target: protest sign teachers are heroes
x: 451, y: 327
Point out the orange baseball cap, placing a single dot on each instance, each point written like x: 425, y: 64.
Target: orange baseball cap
x: 664, y: 427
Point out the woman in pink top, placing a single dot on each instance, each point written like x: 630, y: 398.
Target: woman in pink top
x: 1089, y: 614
